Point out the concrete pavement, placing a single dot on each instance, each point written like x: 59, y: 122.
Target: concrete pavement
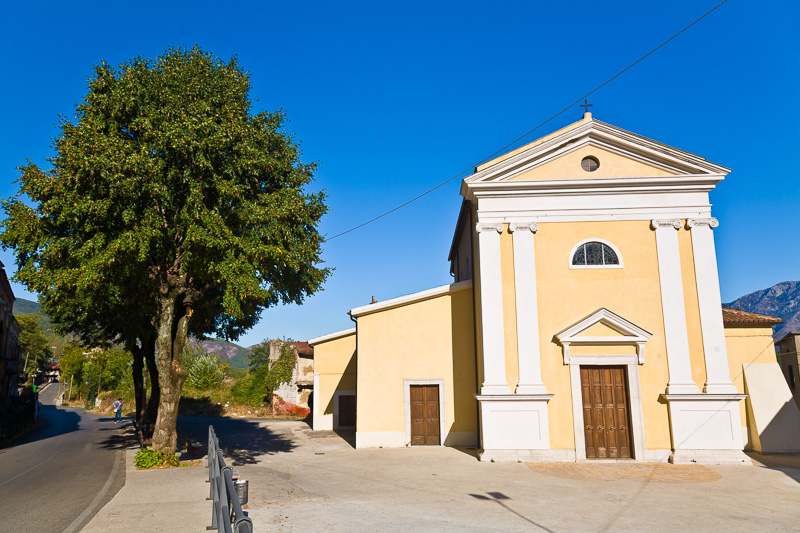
x: 172, y: 499
x: 315, y: 481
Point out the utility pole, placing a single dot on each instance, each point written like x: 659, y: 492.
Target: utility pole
x: 99, y: 379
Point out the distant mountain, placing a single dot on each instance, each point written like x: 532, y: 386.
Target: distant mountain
x: 233, y: 354
x: 781, y: 300
x: 55, y: 340
x: 24, y: 307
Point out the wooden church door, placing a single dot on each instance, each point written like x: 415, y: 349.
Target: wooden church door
x: 606, y: 412
x: 425, y: 415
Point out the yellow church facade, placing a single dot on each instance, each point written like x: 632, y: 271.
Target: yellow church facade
x: 584, y: 320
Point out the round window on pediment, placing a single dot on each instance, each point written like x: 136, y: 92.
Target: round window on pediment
x: 590, y: 164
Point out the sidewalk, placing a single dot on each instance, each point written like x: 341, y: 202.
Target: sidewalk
x: 172, y: 499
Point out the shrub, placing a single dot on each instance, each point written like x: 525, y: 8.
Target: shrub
x: 147, y: 457
x: 205, y: 371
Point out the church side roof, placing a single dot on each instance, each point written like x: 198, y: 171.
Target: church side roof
x: 331, y: 336
x: 410, y: 298
x: 735, y: 316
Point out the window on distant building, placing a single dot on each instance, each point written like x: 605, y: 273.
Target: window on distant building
x: 595, y: 254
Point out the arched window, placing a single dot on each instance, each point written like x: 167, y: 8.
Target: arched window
x: 595, y: 253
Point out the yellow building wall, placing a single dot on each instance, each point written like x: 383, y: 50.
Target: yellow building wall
x: 565, y: 296
x: 430, y: 339
x: 611, y: 165
x: 747, y: 344
x: 335, y: 363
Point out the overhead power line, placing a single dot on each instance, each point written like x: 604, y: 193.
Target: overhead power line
x: 490, y: 156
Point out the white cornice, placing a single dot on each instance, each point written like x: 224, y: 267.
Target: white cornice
x: 410, y: 298
x: 332, y: 336
x: 581, y: 187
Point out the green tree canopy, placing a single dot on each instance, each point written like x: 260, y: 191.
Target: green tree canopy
x: 259, y: 356
x: 32, y: 342
x: 170, y: 197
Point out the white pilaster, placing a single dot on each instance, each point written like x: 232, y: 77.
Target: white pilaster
x: 494, y: 358
x: 718, y: 378
x: 530, y: 372
x: 673, y: 307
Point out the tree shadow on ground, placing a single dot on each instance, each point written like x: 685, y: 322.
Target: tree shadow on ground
x: 52, y: 421
x: 115, y: 439
x: 201, y: 407
x: 785, y: 463
x: 242, y: 440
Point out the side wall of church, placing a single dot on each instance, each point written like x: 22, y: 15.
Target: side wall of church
x: 334, y: 370
x: 747, y: 344
x: 429, y: 340
x: 565, y: 296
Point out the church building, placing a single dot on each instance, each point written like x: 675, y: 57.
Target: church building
x: 584, y: 320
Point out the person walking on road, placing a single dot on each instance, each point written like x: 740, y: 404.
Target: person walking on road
x: 118, y: 410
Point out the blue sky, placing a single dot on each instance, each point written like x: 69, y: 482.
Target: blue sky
x: 395, y: 97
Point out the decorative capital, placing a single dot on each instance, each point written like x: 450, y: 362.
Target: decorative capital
x: 483, y: 226
x: 533, y: 227
x: 666, y: 223
x: 710, y: 222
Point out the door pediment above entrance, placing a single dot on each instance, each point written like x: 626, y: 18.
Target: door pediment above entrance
x: 603, y: 328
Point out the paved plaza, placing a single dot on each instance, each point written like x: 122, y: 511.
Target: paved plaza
x: 301, y: 480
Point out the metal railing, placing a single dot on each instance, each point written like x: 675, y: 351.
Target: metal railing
x: 226, y: 511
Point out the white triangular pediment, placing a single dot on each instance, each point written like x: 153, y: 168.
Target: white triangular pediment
x: 661, y: 159
x: 614, y: 330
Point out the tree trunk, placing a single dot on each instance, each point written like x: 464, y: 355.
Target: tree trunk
x: 149, y: 348
x: 139, y: 392
x: 172, y: 325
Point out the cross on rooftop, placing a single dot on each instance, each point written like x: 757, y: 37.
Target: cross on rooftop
x: 585, y: 105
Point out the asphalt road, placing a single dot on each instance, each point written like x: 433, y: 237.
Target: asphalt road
x: 58, y: 476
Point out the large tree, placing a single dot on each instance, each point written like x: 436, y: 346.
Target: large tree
x: 168, y: 179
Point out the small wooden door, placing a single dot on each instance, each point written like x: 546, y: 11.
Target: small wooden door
x: 425, y: 415
x: 606, y: 412
x: 347, y: 411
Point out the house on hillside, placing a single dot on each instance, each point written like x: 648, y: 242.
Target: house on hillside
x: 51, y: 371
x: 296, y: 392
x: 584, y: 320
x: 11, y: 365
